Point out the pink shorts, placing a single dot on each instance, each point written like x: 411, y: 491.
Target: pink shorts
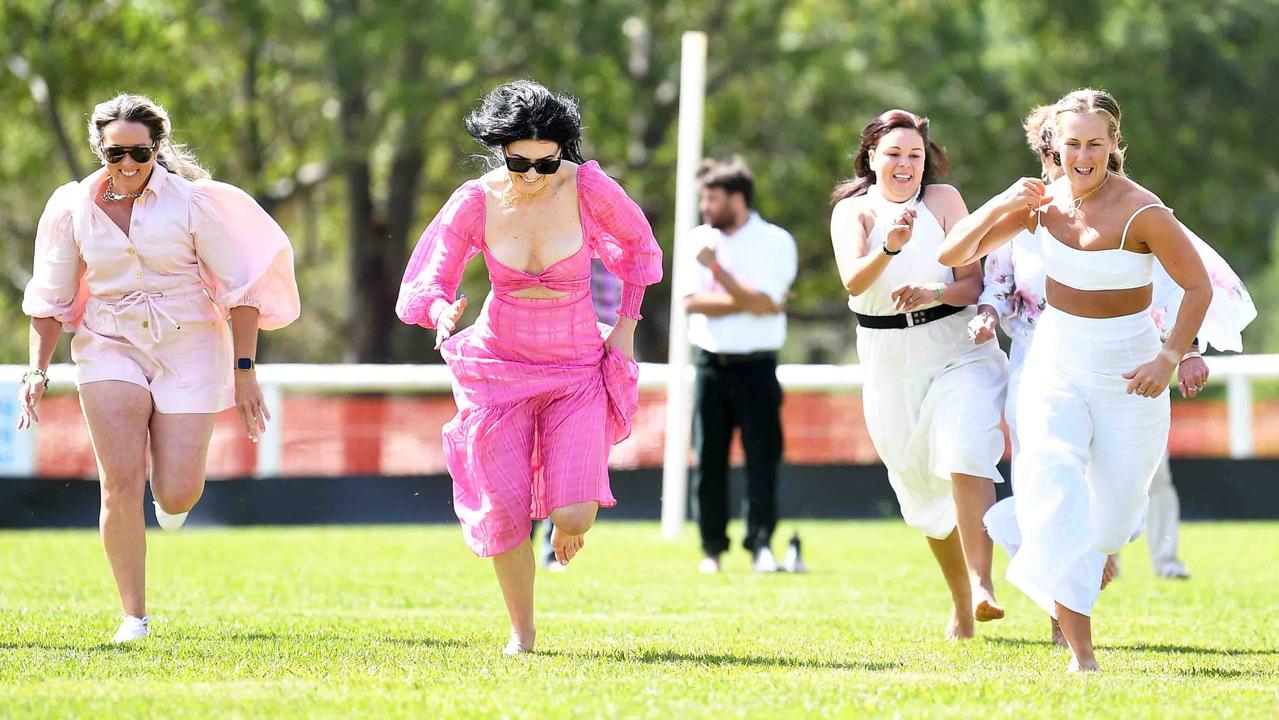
x: 179, y: 349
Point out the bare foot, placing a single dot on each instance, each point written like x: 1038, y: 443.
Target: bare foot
x: 986, y: 608
x: 1110, y: 571
x: 519, y: 643
x: 961, y: 626
x: 1078, y: 666
x: 566, y: 546
x: 1058, y: 637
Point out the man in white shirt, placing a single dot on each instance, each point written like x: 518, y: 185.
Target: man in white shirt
x: 736, y: 304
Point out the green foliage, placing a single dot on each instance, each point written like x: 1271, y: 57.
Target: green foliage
x: 403, y: 622
x: 286, y: 99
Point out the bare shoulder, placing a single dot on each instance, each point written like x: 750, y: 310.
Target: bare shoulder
x: 494, y: 181
x: 945, y: 203
x: 849, y: 208
x: 1134, y: 197
x: 569, y: 175
x: 852, y: 212
x: 1137, y: 209
x: 941, y: 193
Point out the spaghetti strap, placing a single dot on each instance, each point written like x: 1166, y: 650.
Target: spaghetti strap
x: 1123, y: 239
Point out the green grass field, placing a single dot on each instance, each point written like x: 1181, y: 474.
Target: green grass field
x: 404, y: 622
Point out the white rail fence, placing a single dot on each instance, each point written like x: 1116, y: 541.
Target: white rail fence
x: 17, y: 450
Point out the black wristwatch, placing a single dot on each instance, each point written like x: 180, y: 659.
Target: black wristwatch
x: 884, y: 248
x: 244, y: 364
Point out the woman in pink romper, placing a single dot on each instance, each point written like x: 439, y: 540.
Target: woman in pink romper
x: 144, y: 260
x: 542, y: 389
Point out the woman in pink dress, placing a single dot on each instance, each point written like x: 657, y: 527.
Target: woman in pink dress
x: 542, y: 389
x: 144, y: 260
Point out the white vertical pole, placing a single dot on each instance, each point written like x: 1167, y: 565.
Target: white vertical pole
x: 692, y: 94
x: 271, y: 444
x: 1239, y: 409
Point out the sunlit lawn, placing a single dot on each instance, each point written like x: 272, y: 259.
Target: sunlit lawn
x: 402, y: 621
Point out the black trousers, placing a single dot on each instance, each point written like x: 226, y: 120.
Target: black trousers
x: 736, y: 392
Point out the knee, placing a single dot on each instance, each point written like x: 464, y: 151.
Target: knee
x: 178, y: 495
x: 1111, y: 543
x: 122, y: 493
x: 575, y: 519
x: 1114, y: 531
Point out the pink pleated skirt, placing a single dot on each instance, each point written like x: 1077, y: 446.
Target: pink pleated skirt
x: 540, y: 402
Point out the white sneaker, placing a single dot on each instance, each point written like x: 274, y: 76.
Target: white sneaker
x: 709, y: 565
x: 1173, y: 570
x: 765, y: 562
x: 167, y: 521
x: 133, y: 628
x: 794, y: 562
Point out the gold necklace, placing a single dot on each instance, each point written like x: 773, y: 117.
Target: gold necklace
x: 1080, y: 200
x: 510, y: 197
x: 110, y: 195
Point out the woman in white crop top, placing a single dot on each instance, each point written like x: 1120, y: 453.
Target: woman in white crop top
x: 1013, y: 297
x: 931, y: 397
x: 1094, y: 423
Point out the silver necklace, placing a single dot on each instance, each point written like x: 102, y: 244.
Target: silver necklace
x: 110, y: 195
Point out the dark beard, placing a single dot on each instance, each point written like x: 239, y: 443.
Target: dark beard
x: 722, y: 222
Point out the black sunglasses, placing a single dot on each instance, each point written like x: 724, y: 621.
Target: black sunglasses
x: 545, y: 166
x: 139, y: 153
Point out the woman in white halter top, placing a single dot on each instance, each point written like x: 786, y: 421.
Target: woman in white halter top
x: 1094, y: 423
x: 931, y: 398
x: 1012, y: 296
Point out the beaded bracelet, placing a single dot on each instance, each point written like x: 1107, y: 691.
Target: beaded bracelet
x: 38, y: 373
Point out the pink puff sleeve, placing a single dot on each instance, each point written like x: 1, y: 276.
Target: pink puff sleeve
x: 435, y: 269
x: 57, y: 288
x: 623, y: 238
x: 245, y: 257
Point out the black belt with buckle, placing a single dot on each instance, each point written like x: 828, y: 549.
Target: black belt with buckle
x: 722, y: 359
x: 905, y: 320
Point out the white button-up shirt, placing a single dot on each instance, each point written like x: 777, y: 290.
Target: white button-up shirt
x: 762, y: 257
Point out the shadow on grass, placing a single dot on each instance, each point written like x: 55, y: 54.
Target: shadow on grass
x: 651, y: 656
x: 671, y: 656
x: 412, y: 641
x: 42, y: 645
x: 1221, y: 673
x: 237, y: 637
x: 1158, y: 648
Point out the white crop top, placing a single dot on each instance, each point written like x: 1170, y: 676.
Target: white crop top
x: 917, y: 262
x: 1113, y: 269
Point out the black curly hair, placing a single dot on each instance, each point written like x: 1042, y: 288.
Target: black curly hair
x: 525, y: 110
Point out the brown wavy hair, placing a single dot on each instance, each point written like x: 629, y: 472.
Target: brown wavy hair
x: 1038, y: 125
x: 935, y: 163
